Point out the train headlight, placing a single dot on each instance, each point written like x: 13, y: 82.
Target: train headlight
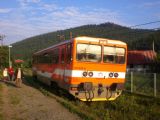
x: 84, y: 74
x: 110, y: 74
x: 90, y: 74
x: 116, y: 75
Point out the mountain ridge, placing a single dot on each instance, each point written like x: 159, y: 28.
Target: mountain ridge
x: 25, y: 48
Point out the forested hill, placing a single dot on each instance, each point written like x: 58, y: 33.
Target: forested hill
x: 25, y: 48
x: 146, y: 43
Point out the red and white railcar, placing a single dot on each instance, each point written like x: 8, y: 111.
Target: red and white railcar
x: 91, y: 69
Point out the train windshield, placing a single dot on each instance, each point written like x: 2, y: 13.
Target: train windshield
x: 114, y: 55
x: 88, y: 53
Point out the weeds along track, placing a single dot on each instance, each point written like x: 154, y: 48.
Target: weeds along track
x: 127, y: 106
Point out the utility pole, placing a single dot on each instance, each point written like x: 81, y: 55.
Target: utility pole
x: 9, y: 56
x: 155, y: 86
x: 153, y: 46
x: 70, y: 35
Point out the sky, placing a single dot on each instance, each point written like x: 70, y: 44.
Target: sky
x: 20, y: 19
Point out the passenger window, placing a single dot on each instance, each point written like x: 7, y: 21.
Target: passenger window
x: 62, y: 55
x: 69, y: 53
x: 56, y: 56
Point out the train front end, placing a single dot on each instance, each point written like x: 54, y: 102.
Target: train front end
x: 98, y: 69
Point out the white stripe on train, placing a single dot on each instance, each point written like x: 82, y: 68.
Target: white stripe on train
x: 79, y: 73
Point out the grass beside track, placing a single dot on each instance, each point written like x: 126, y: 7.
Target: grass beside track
x: 61, y: 96
x: 126, y: 107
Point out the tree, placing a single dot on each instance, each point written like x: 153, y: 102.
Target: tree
x: 3, y: 56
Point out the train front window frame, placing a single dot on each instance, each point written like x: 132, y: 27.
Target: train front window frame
x: 115, y: 55
x: 88, y: 52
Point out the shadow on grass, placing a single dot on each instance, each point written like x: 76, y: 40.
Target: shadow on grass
x: 61, y: 95
x: 57, y: 91
x: 9, y: 83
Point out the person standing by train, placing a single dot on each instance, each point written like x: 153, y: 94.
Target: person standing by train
x: 10, y: 73
x: 5, y: 74
x: 18, y: 75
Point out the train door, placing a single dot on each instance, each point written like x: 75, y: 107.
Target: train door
x: 67, y: 64
x: 63, y: 64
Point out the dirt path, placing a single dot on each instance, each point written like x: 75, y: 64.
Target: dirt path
x: 6, y: 105
x: 27, y: 103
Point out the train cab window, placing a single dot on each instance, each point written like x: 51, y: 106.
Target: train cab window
x: 120, y: 55
x: 88, y: 53
x: 114, y: 55
x: 62, y: 55
x: 69, y: 53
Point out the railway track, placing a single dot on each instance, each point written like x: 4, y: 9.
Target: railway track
x: 127, y: 106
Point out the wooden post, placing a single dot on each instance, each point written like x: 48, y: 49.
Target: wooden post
x: 70, y: 35
x: 131, y: 82
x: 155, y: 86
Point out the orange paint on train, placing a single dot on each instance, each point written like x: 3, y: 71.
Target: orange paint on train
x: 91, y: 69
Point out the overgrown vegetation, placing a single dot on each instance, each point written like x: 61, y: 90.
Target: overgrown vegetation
x: 127, y: 106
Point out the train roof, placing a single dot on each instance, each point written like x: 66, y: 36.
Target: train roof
x: 61, y: 43
x: 92, y: 39
x: 84, y: 38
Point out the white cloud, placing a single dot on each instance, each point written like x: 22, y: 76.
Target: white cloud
x: 5, y: 10
x: 29, y: 1
x: 28, y: 21
x: 48, y: 7
x: 15, y: 30
x: 34, y: 1
x: 25, y: 3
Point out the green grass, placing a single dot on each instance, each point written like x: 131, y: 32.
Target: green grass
x: 143, y: 83
x: 1, y: 102
x: 126, y: 107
